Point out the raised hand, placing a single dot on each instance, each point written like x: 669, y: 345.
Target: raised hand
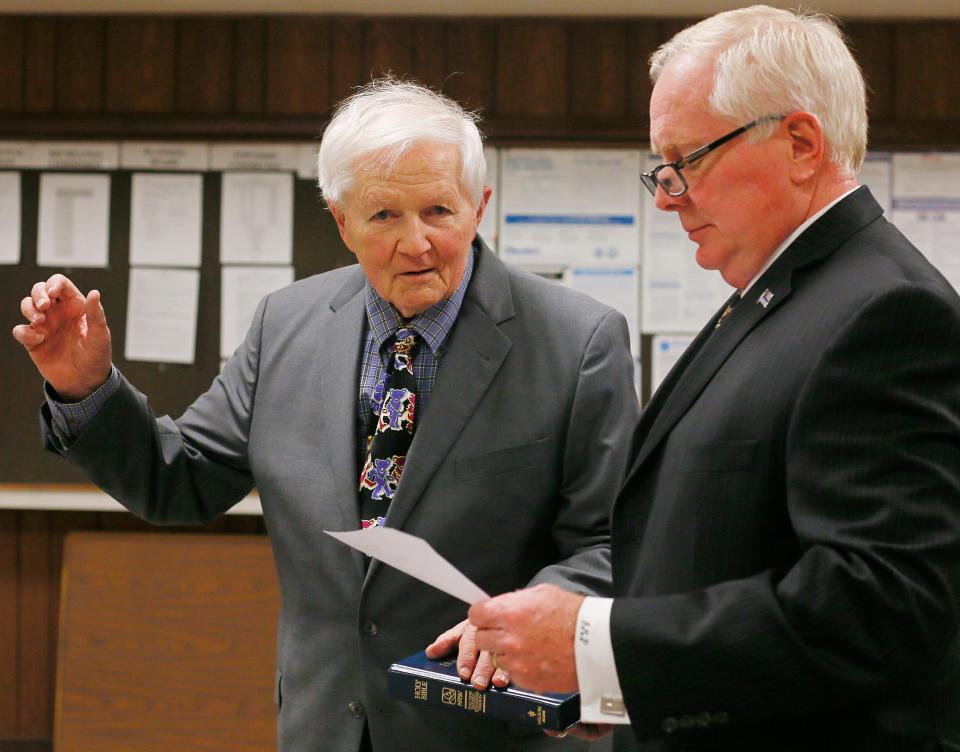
x: 67, y: 337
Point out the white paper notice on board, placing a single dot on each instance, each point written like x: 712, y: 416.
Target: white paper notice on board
x: 256, y: 218
x: 413, y: 556
x: 570, y: 206
x: 667, y: 350
x: 9, y: 217
x: 677, y: 295
x: 162, y: 315
x: 934, y: 228
x: 488, y: 225
x: 926, y: 176
x: 877, y: 174
x: 618, y: 288
x: 165, y: 219
x: 241, y: 289
x: 74, y: 220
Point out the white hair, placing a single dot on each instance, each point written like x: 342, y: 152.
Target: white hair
x: 378, y: 123
x: 772, y: 62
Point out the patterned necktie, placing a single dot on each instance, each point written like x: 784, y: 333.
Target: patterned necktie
x: 389, y: 437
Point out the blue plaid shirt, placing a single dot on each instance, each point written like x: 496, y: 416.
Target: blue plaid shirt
x: 383, y: 321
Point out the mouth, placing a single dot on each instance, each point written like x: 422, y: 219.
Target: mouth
x: 417, y: 274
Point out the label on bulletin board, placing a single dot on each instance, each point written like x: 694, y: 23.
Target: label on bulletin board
x: 570, y: 206
x: 160, y: 155
x: 77, y: 155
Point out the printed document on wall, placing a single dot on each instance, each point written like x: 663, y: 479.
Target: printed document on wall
x: 618, y: 288
x: 678, y: 296
x: 241, y: 289
x: 165, y: 220
x: 667, y: 350
x: 256, y: 218
x: 926, y: 207
x: 162, y: 315
x: 9, y: 217
x: 74, y: 220
x: 570, y: 206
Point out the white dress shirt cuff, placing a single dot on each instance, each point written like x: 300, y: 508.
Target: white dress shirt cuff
x: 601, y: 699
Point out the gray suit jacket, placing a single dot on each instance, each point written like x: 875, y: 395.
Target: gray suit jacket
x: 786, y: 550
x: 511, y: 476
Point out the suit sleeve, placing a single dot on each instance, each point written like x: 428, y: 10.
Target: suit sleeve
x: 174, y: 472
x: 872, y: 490
x: 603, y: 415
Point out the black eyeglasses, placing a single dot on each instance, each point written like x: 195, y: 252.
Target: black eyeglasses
x: 669, y: 176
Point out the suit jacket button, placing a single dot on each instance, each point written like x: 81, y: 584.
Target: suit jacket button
x: 702, y: 719
x: 721, y: 717
x: 370, y: 627
x: 670, y: 725
x: 356, y: 709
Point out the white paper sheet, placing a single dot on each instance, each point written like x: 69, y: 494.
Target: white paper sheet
x: 241, y: 289
x: 162, y: 315
x: 165, y: 221
x: 9, y: 217
x: 489, y: 230
x: 877, y: 175
x: 74, y: 220
x: 935, y: 230
x: 413, y: 556
x: 570, y: 206
x: 677, y: 295
x: 926, y: 176
x: 618, y: 288
x: 667, y: 350
x: 256, y: 218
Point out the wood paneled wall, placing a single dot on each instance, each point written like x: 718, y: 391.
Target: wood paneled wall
x: 31, y: 553
x: 535, y: 80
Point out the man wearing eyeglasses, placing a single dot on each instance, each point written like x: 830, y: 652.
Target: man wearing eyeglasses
x: 786, y: 547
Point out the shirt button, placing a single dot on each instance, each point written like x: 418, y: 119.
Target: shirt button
x: 669, y: 725
x: 356, y: 709
x: 370, y: 627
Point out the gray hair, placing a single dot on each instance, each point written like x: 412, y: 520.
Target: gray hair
x: 379, y: 122
x: 771, y: 62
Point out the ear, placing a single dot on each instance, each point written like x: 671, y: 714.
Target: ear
x: 487, y: 193
x: 341, y: 219
x: 807, y: 148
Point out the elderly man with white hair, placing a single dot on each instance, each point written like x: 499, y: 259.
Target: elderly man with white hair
x: 786, y: 547
x: 430, y: 388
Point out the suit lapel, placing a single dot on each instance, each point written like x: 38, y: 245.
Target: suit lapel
x: 339, y: 350
x: 476, y: 350
x: 769, y: 292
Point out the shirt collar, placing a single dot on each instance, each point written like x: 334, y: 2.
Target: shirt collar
x: 793, y: 236
x: 433, y: 325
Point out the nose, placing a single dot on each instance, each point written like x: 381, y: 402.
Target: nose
x: 413, y: 240
x: 665, y: 202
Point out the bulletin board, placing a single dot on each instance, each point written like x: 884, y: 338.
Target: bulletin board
x: 170, y: 387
